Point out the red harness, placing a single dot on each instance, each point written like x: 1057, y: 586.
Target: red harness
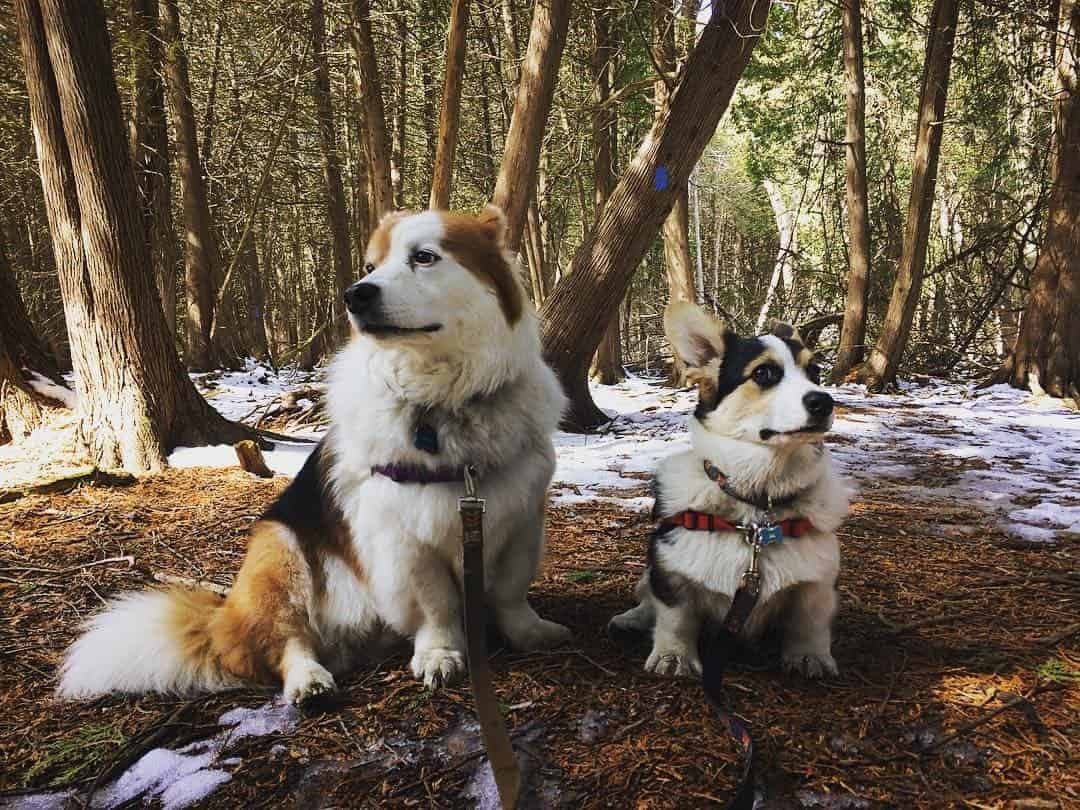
x: 705, y: 522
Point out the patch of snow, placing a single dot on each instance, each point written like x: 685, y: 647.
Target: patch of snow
x: 179, y: 778
x: 47, y: 388
x: 284, y: 459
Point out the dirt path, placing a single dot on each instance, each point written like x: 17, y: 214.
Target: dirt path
x: 958, y: 685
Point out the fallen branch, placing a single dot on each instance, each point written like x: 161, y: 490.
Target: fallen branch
x: 188, y: 582
x: 66, y: 483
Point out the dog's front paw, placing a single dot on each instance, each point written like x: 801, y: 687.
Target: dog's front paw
x: 305, y: 685
x: 437, y: 666
x: 809, y: 665
x: 540, y: 635
x: 681, y: 664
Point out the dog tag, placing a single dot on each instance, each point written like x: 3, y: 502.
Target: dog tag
x: 426, y: 438
x: 770, y: 533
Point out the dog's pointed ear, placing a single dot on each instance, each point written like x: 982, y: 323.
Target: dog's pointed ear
x: 493, y: 222
x: 785, y: 331
x: 696, y: 337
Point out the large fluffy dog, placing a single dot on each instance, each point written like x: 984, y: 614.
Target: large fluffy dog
x: 757, y: 438
x: 444, y: 370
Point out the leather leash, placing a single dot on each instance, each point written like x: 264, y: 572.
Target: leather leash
x: 504, y: 764
x: 716, y: 653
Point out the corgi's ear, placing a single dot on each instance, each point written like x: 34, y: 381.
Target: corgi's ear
x: 493, y: 221
x: 785, y: 331
x: 696, y: 337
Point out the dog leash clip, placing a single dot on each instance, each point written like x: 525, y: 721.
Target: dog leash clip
x: 471, y: 503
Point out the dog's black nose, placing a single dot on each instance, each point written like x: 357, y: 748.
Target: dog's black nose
x: 360, y: 297
x: 818, y: 404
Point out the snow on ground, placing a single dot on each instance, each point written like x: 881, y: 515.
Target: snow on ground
x: 180, y: 778
x: 47, y: 388
x: 997, y: 449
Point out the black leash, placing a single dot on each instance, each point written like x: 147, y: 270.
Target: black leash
x: 716, y: 652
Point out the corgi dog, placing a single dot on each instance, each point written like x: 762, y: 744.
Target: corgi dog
x: 443, y: 371
x: 757, y: 457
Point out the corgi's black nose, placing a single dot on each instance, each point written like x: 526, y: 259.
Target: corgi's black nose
x: 360, y: 297
x: 818, y: 404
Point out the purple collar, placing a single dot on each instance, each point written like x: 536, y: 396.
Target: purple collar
x: 418, y: 473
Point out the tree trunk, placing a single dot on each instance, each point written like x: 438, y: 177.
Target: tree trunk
x: 369, y: 90
x: 853, y: 333
x: 337, y: 214
x: 399, y: 150
x: 150, y: 151
x: 24, y: 348
x: 880, y: 369
x: 1047, y: 353
x: 536, y: 89
x: 202, y: 259
x: 450, y: 116
x: 608, y: 365
x: 787, y: 240
x: 135, y: 400
x: 678, y: 262
x: 576, y: 314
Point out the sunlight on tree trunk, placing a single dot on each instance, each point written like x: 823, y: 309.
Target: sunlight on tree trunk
x: 135, y: 400
x: 576, y: 314
x: 880, y: 369
x: 450, y: 116
x: 1047, y: 354
x: 853, y: 333
x: 521, y: 156
x: 369, y: 89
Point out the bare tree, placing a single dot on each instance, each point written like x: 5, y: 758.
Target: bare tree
x: 576, y: 315
x: 1047, y: 353
x: 521, y: 156
x: 608, y: 364
x: 369, y: 89
x: 149, y: 133
x: 853, y: 333
x: 337, y: 213
x: 202, y: 257
x: 449, y: 118
x: 880, y: 368
x: 135, y: 400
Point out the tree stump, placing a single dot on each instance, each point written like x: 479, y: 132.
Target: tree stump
x: 251, y: 458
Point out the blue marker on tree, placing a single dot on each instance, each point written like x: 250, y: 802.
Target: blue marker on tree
x: 661, y: 179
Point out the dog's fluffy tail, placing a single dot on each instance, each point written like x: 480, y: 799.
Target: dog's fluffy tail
x: 150, y: 641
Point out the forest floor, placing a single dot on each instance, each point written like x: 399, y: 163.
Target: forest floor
x: 957, y: 637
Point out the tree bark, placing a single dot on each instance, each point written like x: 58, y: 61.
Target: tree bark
x: 202, y: 258
x: 1047, y: 353
x: 450, y: 116
x: 608, y: 364
x: 853, y: 333
x: 399, y: 151
x: 135, y: 401
x: 23, y: 346
x: 576, y: 314
x: 150, y: 151
x: 337, y: 213
x: 536, y: 89
x: 880, y: 369
x: 787, y: 241
x: 369, y: 89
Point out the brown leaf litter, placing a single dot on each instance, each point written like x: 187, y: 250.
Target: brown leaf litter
x: 959, y: 660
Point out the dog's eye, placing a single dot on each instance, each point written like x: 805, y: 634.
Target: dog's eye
x: 813, y: 371
x: 369, y: 268
x: 424, y: 258
x: 767, y: 374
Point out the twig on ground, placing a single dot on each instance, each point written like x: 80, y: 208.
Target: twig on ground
x: 205, y: 584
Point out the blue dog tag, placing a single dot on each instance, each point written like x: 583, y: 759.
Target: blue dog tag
x: 771, y: 533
